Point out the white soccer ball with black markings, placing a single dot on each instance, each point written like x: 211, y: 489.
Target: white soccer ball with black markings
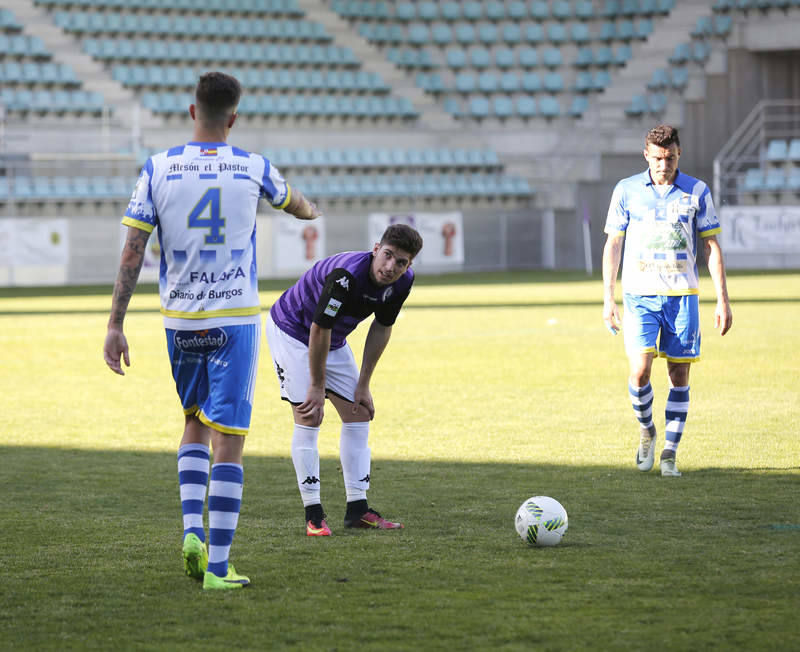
x: 541, y: 521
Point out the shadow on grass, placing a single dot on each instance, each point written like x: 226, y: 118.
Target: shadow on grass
x: 91, y: 557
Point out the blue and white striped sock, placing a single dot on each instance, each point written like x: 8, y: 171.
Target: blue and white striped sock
x: 193, y: 462
x: 224, y: 502
x: 642, y: 402
x: 676, y: 412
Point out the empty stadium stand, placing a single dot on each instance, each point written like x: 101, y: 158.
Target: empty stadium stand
x: 531, y: 109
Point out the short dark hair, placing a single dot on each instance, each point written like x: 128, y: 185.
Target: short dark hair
x: 663, y: 136
x: 217, y: 96
x: 403, y: 237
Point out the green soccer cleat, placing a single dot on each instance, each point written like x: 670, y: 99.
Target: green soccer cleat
x: 195, y: 556
x: 231, y: 581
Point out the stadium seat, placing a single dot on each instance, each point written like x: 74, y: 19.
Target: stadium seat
x: 659, y: 80
x: 583, y: 82
x: 578, y: 106
x: 561, y: 10
x: 441, y: 34
x: 511, y: 34
x: 517, y: 10
x: 480, y: 57
x: 528, y: 57
x: 775, y: 179
x: 539, y: 10
x: 509, y: 82
x: 637, y: 106
x: 456, y: 58
x: 622, y: 55
x: 464, y: 33
x: 584, y: 58
x: 488, y: 82
x: 551, y: 57
x: 531, y: 83
x: 794, y: 150
x: 557, y: 33
x: 504, y: 58
x: 553, y: 82
x: 502, y: 107
x: 495, y: 10
x: 657, y: 103
x: 465, y: 82
x: 478, y: 107
x: 679, y: 77
x: 534, y: 33
x: 549, y: 107
x: 584, y: 10
x: 681, y: 54
x: 777, y: 151
x: 579, y: 33
x: 722, y: 25
x: 487, y: 33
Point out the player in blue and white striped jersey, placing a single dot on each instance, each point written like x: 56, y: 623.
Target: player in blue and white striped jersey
x: 660, y: 214
x: 201, y: 198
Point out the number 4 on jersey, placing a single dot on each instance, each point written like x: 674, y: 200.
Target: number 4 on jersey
x: 214, y: 221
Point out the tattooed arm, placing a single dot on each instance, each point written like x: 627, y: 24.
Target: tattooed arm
x: 116, y: 345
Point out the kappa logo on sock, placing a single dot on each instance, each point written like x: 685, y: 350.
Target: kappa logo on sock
x: 311, y: 479
x: 365, y: 478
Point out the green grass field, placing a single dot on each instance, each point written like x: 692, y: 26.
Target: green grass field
x: 494, y: 388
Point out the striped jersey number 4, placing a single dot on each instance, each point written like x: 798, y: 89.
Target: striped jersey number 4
x: 206, y: 215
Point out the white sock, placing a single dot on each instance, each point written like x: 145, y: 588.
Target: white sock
x: 305, y: 456
x: 355, y: 457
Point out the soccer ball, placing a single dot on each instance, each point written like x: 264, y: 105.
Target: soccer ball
x: 541, y: 521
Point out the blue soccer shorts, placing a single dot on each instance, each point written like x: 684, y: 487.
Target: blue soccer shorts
x: 668, y: 326
x: 215, y: 374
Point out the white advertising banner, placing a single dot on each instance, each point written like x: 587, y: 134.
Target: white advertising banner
x: 760, y: 229
x: 34, y: 241
x: 296, y: 244
x: 442, y: 236
x: 34, y: 251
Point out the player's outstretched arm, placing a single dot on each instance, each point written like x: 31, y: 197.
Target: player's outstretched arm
x: 723, y: 316
x: 301, y: 208
x: 115, y: 347
x: 612, y: 253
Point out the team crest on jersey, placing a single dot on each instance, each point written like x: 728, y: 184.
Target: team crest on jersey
x: 387, y: 293
x: 208, y: 151
x: 200, y: 342
x: 333, y: 307
x: 344, y: 282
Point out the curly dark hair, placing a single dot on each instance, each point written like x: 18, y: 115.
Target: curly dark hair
x: 217, y: 96
x: 403, y: 237
x: 663, y: 136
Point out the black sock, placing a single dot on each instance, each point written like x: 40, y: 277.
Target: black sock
x: 356, y: 508
x: 314, y: 513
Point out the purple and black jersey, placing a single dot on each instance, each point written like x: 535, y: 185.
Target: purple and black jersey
x: 337, y: 293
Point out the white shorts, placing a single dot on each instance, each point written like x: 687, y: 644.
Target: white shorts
x: 290, y: 359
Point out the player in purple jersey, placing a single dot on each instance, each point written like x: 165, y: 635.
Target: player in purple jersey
x: 213, y: 353
x: 307, y: 329
x: 660, y: 214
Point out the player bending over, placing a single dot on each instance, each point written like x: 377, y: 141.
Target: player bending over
x: 306, y: 330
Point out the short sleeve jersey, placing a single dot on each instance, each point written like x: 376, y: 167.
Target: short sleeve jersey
x: 337, y: 293
x: 202, y: 200
x: 661, y: 232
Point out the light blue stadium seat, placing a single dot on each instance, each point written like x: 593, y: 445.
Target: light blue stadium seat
x: 584, y: 10
x: 465, y: 82
x: 584, y: 58
x: 539, y: 10
x: 528, y: 57
x: 428, y: 10
x: 551, y: 57
x: 511, y: 33
x: 659, y: 80
x: 478, y: 107
x: 465, y: 33
x: 611, y: 9
x: 22, y: 189
x: 630, y: 8
x: 502, y: 106
x: 625, y: 30
x: 584, y: 82
x: 441, y: 34
x: 472, y: 10
x: 622, y: 55
x: 722, y: 25
x: 794, y: 150
x: 657, y: 103
x: 456, y: 57
x: 418, y: 34
x: 549, y: 107
x: 561, y: 10
x: 681, y: 54
x: 556, y: 33
x: 703, y: 27
x: 637, y: 106
x: 722, y: 6
x: 602, y: 80
x: 700, y: 51
x: 777, y: 151
x: 578, y: 106
x: 504, y: 58
x: 42, y: 188
x: 21, y: 100
x: 753, y: 180
x: 480, y: 57
x: 608, y: 31
x: 679, y: 77
x: 534, y: 33
x: 643, y: 29
x: 509, y: 82
x: 405, y: 11
x: 495, y: 10
x: 517, y: 10
x: 453, y: 107
x: 487, y: 33
x: 579, y: 33
x: 553, y: 82
x: 531, y: 82
x: 775, y: 179
x: 451, y: 10
x: 488, y: 82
